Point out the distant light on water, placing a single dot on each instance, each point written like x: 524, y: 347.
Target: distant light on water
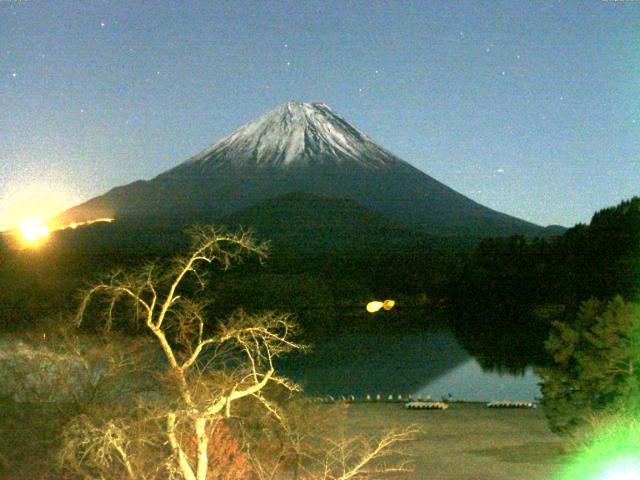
x: 375, y: 306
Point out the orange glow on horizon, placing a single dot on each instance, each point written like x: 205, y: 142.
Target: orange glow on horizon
x: 75, y: 225
x: 33, y: 232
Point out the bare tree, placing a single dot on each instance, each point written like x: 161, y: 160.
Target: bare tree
x: 240, y: 352
x: 208, y: 374
x: 361, y: 458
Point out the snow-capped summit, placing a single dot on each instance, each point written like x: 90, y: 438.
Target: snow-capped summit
x: 294, y: 134
x: 305, y: 148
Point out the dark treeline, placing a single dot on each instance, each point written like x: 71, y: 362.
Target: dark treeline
x: 508, y: 291
x: 326, y: 289
x: 327, y: 259
x: 501, y: 293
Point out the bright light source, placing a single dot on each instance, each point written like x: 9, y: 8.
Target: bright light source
x: 28, y: 197
x: 627, y: 469
x: 373, y: 307
x: 33, y: 231
x: 75, y: 225
x: 612, y: 452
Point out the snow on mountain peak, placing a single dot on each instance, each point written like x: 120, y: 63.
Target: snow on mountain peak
x: 295, y: 134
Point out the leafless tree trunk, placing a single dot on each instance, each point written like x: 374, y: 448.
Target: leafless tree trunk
x: 208, y: 372
x: 177, y: 323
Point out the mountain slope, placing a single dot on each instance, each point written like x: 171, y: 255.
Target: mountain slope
x: 312, y: 225
x: 306, y: 148
x: 292, y: 135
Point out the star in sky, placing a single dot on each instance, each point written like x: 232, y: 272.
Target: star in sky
x: 49, y: 72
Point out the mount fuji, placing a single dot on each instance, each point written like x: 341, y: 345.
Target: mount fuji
x: 305, y: 148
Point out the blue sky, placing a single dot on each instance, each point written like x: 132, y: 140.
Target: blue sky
x: 531, y: 108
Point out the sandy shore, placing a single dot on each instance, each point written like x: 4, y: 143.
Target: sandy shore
x: 468, y: 441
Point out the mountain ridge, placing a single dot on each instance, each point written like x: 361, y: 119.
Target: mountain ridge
x: 300, y: 147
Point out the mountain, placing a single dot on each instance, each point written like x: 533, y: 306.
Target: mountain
x: 299, y: 147
x: 297, y: 223
x: 305, y: 223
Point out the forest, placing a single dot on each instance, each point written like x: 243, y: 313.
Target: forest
x: 499, y: 294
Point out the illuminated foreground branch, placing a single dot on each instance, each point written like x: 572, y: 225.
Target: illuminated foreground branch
x: 210, y: 375
x: 160, y: 300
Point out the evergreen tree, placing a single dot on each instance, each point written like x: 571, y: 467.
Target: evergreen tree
x: 596, y: 363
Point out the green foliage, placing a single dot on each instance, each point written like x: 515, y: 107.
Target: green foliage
x: 339, y: 264
x: 606, y: 448
x: 596, y: 366
x: 494, y: 297
x: 603, y: 259
x: 500, y: 294
x: 309, y: 296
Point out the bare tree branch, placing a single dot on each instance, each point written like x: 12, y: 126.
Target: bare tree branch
x: 212, y: 375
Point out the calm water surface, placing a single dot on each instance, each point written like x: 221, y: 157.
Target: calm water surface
x: 431, y: 363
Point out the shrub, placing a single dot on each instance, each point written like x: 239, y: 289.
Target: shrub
x: 596, y: 364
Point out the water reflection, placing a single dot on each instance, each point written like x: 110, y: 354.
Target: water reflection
x: 431, y: 363
x: 470, y: 381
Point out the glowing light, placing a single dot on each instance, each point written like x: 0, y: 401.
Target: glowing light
x: 75, y: 225
x: 612, y: 453
x: 626, y: 469
x: 30, y: 197
x: 374, y: 306
x: 388, y: 304
x: 33, y: 231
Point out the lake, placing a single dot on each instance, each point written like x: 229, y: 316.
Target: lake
x: 428, y: 363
